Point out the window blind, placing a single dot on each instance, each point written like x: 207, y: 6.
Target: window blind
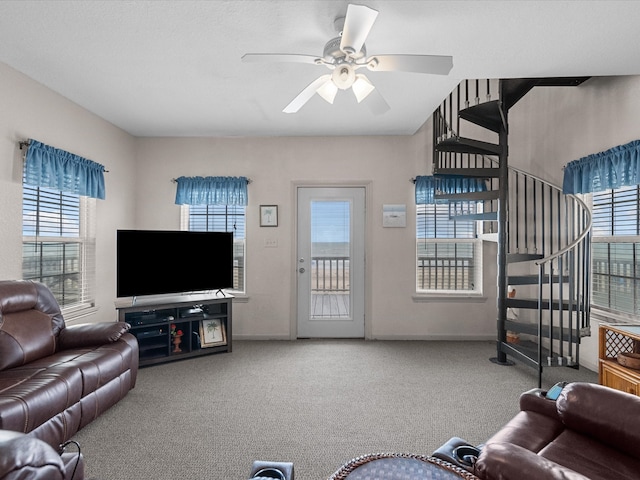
x: 222, y: 218
x: 448, y: 255
x: 616, y: 250
x: 617, y: 212
x: 59, y: 244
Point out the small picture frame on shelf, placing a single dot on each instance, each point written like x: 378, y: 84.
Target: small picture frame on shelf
x: 268, y: 215
x: 212, y: 333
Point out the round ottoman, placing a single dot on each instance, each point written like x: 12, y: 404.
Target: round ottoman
x: 400, y: 466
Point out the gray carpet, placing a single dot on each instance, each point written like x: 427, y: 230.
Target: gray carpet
x: 317, y: 403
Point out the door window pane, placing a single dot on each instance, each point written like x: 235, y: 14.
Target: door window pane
x: 330, y: 259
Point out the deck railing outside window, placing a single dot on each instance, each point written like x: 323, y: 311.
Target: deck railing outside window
x: 330, y: 274
x: 446, y: 273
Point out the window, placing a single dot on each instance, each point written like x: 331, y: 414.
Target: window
x: 221, y: 218
x: 616, y: 250
x: 59, y: 245
x: 448, y: 251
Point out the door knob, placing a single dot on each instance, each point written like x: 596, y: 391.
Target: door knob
x: 301, y: 270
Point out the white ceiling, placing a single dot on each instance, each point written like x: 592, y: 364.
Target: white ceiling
x: 173, y: 68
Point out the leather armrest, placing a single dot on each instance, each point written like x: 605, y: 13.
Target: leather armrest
x: 499, y: 461
x: 24, y: 456
x: 602, y: 413
x: 536, y: 401
x: 91, y: 334
x: 448, y: 452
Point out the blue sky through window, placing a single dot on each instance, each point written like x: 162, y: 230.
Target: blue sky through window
x: 330, y: 221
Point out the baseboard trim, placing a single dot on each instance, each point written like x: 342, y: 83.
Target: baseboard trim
x: 437, y: 337
x: 455, y: 338
x: 588, y: 365
x: 261, y: 337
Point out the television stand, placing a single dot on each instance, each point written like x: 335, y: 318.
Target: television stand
x: 178, y: 327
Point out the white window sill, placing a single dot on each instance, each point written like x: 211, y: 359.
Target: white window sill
x: 240, y: 298
x: 76, y: 316
x: 605, y: 316
x: 440, y: 298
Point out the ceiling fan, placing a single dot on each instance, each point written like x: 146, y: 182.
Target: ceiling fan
x: 346, y: 54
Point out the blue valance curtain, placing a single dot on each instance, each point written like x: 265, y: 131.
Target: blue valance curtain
x: 428, y: 186
x: 211, y: 191
x: 617, y: 167
x: 46, y: 166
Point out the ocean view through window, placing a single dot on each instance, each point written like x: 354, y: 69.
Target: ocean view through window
x: 330, y: 258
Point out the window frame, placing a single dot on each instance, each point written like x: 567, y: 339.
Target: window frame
x: 606, y: 219
x: 452, y: 239
x: 239, y: 270
x: 83, y: 210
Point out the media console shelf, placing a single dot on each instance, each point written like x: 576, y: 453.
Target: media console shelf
x: 203, y: 320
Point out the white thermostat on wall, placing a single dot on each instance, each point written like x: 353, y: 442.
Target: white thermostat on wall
x: 394, y: 215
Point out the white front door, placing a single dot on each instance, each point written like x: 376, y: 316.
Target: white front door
x: 330, y: 262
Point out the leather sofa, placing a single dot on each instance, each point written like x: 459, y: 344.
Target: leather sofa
x: 24, y: 457
x: 589, y: 432
x: 55, y: 379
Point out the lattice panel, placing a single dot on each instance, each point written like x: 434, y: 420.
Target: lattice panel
x: 618, y: 343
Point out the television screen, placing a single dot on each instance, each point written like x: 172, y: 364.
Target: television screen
x: 151, y: 262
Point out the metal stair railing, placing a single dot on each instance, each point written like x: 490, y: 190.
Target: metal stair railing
x: 547, y: 231
x: 545, y: 222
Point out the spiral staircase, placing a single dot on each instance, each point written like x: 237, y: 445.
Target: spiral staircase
x: 542, y: 235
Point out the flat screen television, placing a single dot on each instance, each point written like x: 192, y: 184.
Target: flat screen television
x: 153, y: 262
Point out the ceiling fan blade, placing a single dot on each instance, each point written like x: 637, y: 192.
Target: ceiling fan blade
x: 279, y: 57
x: 433, y: 64
x: 305, y: 95
x: 376, y: 103
x: 357, y: 25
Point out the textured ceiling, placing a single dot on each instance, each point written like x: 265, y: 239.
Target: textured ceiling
x: 173, y: 68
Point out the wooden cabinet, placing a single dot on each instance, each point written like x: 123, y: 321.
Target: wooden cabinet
x: 614, y: 340
x: 179, y: 327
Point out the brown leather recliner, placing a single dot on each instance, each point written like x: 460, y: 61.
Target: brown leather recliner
x: 55, y: 379
x: 589, y: 432
x: 25, y: 457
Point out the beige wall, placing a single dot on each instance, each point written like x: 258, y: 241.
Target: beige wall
x: 552, y: 126
x: 549, y: 127
x: 140, y: 195
x: 276, y: 166
x: 30, y: 110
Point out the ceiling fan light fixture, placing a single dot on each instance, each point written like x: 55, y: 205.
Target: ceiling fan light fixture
x: 345, y: 54
x: 328, y: 91
x: 343, y: 76
x: 362, y: 87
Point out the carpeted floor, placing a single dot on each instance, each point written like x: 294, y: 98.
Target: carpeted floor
x: 317, y: 403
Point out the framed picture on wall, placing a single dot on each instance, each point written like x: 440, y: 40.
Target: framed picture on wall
x: 268, y: 215
x: 212, y: 333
